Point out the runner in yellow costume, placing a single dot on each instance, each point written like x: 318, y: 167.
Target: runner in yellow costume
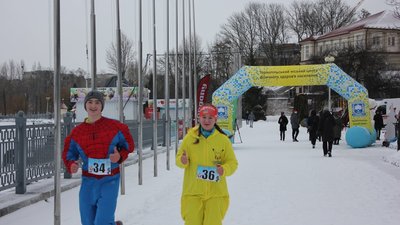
x: 207, y: 156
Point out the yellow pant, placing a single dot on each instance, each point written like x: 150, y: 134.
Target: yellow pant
x: 196, y: 210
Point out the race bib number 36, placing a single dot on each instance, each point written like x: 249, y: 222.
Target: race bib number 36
x: 99, y: 166
x: 208, y: 173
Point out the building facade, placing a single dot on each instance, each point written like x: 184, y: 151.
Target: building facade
x: 378, y: 34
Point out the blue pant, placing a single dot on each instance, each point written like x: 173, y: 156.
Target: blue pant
x: 98, y: 200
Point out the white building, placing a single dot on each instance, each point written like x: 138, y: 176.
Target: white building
x: 110, y: 110
x: 378, y: 34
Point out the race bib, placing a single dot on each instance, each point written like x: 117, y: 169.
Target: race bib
x: 99, y: 166
x: 208, y: 173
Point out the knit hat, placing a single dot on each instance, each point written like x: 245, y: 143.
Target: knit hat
x: 96, y: 95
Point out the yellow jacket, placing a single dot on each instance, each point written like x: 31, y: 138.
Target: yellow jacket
x: 216, y: 149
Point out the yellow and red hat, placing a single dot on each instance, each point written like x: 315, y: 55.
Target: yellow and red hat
x: 208, y: 109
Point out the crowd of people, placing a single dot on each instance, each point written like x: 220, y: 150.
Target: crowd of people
x: 324, y: 127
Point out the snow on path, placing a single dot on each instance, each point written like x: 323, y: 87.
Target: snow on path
x: 280, y: 183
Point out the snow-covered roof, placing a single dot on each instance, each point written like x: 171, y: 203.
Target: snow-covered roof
x: 382, y: 20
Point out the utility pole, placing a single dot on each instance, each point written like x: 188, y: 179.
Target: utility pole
x: 154, y: 91
x: 93, y: 44
x: 57, y: 115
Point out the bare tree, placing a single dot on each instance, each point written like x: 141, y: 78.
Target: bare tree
x: 222, y: 61
x: 363, y: 14
x: 12, y: 70
x: 241, y: 31
x: 200, y: 66
x: 4, y: 70
x: 307, y: 19
x: 300, y: 15
x: 127, y: 55
x: 336, y: 14
x: 272, y: 30
x: 396, y: 6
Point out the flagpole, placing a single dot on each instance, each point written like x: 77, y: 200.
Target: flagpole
x: 176, y: 76
x: 183, y: 69
x: 167, y: 119
x: 119, y: 89
x: 154, y: 92
x: 140, y: 99
x: 195, y: 67
x: 93, y: 44
x: 57, y: 115
x: 190, y: 68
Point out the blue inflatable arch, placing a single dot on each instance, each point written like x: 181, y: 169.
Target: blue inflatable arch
x: 360, y: 133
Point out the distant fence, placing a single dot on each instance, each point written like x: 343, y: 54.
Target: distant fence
x: 27, y: 151
x: 29, y: 116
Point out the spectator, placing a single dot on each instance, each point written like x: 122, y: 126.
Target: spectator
x: 283, y: 121
x: 295, y: 122
x: 251, y: 118
x: 326, y: 125
x: 312, y: 127
x: 246, y: 115
x: 378, y: 123
x: 337, y: 129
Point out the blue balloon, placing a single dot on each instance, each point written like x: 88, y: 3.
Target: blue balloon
x: 358, y: 137
x: 373, y: 136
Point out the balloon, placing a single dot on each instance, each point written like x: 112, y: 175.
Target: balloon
x: 358, y: 137
x: 372, y: 136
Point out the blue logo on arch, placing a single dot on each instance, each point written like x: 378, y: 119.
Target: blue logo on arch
x: 222, y: 111
x: 358, y: 109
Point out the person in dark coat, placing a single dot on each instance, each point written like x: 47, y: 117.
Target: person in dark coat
x: 283, y: 121
x: 326, y: 125
x: 337, y: 130
x: 252, y: 117
x: 246, y: 115
x: 295, y: 122
x: 378, y: 125
x: 319, y: 137
x: 312, y: 126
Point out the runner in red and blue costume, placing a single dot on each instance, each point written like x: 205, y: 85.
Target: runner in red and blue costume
x: 101, y: 144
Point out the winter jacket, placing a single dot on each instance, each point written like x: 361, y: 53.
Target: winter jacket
x: 337, y: 129
x: 326, y: 125
x: 312, y: 126
x: 313, y: 123
x: 283, y: 121
x: 97, y: 140
x: 378, y: 121
x: 216, y: 149
x: 252, y: 116
x: 295, y: 121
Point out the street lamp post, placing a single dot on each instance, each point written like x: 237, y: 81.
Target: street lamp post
x: 329, y: 59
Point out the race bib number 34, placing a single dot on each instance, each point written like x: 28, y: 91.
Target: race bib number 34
x: 99, y: 166
x: 208, y: 173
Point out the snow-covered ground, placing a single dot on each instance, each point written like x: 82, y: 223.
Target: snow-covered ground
x: 283, y: 183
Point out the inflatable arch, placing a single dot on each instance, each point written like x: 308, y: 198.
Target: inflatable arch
x: 225, y: 97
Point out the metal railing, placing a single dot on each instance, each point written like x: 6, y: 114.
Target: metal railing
x: 27, y: 151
